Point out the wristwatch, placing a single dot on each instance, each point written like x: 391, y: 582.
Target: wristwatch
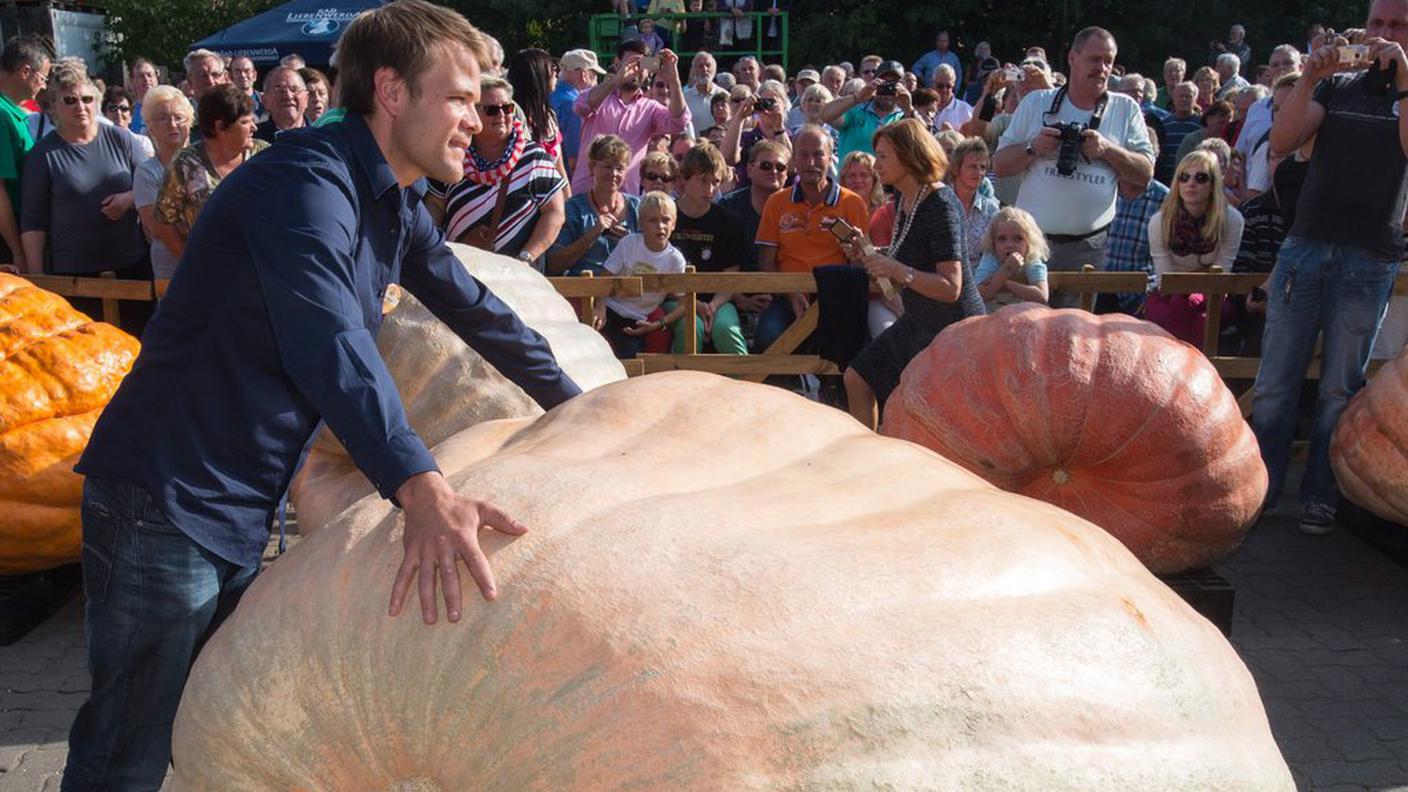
x: 908, y: 276
x: 1400, y: 96
x: 1031, y: 152
x: 526, y: 257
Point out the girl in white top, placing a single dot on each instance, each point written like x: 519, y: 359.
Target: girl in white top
x: 1193, y: 230
x: 625, y: 321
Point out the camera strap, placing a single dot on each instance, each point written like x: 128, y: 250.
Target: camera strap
x: 1095, y: 116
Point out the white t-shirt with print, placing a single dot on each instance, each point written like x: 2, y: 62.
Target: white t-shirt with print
x: 1085, y: 200
x: 632, y: 257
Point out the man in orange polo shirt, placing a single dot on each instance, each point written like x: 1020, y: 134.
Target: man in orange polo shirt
x: 791, y: 237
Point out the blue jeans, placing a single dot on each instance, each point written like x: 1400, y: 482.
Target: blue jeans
x: 153, y: 597
x: 773, y: 322
x: 1316, y: 287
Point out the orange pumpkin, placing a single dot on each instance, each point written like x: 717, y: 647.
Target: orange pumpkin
x: 1108, y: 417
x: 1369, y: 450
x: 724, y: 586
x: 58, y: 369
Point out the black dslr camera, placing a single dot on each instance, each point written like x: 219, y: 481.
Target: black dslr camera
x: 887, y: 88
x: 1072, y: 133
x: 765, y: 104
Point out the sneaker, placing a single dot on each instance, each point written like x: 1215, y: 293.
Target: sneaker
x: 1317, y: 519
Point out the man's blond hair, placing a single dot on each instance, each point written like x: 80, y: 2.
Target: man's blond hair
x: 406, y: 36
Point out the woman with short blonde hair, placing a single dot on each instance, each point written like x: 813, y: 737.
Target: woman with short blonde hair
x: 858, y: 176
x: 925, y: 261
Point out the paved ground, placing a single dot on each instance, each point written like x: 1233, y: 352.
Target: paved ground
x: 1321, y: 621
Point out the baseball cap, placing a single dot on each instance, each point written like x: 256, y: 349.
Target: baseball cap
x: 809, y: 74
x: 580, y: 59
x: 890, y: 67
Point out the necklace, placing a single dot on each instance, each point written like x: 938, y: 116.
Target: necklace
x: 614, y: 209
x: 898, y: 233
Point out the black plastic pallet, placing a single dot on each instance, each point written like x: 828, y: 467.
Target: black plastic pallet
x: 1388, y: 538
x: 1208, y: 593
x: 27, y: 600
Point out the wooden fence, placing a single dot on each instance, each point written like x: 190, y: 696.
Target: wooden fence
x: 782, y: 357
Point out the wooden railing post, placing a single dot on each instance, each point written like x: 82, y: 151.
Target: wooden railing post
x: 1212, y: 327
x: 1087, y: 298
x: 111, y: 311
x: 588, y: 312
x: 691, y: 331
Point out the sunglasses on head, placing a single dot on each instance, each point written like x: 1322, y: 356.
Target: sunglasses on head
x: 494, y: 110
x: 73, y: 100
x: 772, y: 167
x: 1200, y: 177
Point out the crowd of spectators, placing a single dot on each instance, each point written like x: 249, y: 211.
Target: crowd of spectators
x: 970, y: 177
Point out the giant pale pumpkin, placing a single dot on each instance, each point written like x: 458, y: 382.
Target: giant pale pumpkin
x: 447, y: 386
x: 724, y: 586
x: 1108, y: 417
x: 1369, y: 449
x: 58, y: 369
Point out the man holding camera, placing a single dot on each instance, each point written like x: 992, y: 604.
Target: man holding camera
x: 882, y: 101
x: 1074, y: 145
x: 1336, y: 269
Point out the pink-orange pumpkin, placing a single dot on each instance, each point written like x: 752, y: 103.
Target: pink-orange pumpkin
x: 1108, y: 417
x: 1369, y: 450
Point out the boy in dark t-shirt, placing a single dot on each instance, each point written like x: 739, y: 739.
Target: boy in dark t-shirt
x: 1336, y: 268
x: 711, y: 238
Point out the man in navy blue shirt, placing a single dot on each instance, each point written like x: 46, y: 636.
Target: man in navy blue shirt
x: 268, y: 328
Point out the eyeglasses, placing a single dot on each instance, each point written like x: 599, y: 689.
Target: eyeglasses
x: 112, y: 108
x: 73, y: 100
x: 1199, y: 177
x: 938, y: 86
x: 772, y: 167
x: 292, y: 90
x: 654, y: 177
x: 737, y: 100
x: 867, y: 71
x: 174, y: 120
x: 493, y: 111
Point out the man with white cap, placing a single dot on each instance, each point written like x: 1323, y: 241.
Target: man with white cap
x: 702, y: 89
x: 577, y: 72
x: 806, y: 78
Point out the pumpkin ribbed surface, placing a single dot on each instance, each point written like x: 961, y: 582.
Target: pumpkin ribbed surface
x: 446, y: 386
x: 58, y: 369
x: 724, y: 586
x: 1369, y: 450
x: 1108, y: 417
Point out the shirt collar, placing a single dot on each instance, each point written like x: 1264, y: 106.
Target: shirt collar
x: 370, y: 159
x: 833, y: 193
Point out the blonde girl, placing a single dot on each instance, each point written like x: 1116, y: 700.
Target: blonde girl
x: 1013, y: 265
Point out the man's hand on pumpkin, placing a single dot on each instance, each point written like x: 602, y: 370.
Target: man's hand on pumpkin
x: 441, y: 529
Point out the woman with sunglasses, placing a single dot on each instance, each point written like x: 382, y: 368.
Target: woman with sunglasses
x: 511, y: 198
x: 77, y: 211
x: 598, y: 218
x: 1193, y: 230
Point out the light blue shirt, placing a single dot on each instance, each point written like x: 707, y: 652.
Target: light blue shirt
x: 581, y: 217
x: 1035, y: 273
x: 925, y: 66
x: 563, y: 96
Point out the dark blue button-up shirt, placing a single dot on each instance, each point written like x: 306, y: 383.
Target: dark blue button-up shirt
x: 270, y: 325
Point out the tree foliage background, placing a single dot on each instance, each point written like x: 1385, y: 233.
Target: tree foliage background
x: 824, y: 31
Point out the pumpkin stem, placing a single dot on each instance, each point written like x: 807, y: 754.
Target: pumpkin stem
x: 1060, y: 476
